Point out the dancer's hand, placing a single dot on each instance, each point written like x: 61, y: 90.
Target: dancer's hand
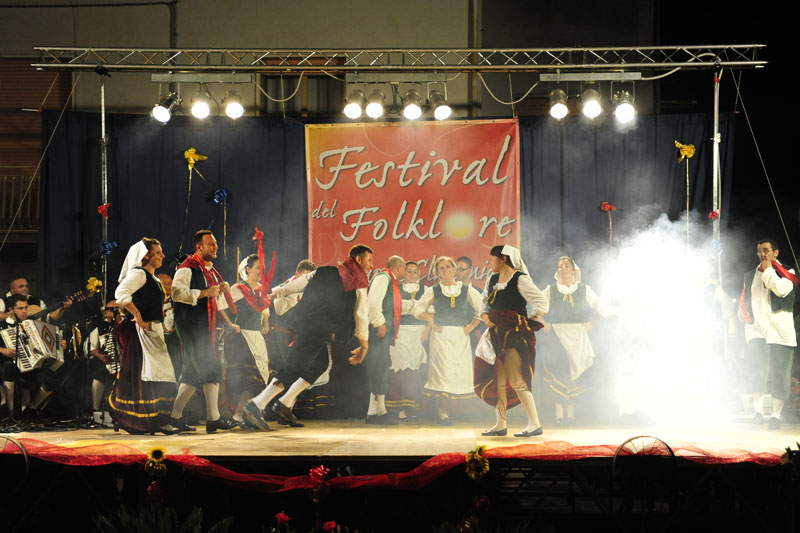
x: 545, y: 326
x: 359, y: 354
x: 225, y: 288
x: 141, y: 323
x: 587, y: 325
x: 236, y: 328
x: 485, y: 318
x: 381, y: 331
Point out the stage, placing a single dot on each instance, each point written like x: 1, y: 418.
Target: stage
x: 353, y: 440
x: 370, y: 477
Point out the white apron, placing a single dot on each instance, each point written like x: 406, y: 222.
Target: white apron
x: 258, y: 347
x: 450, y: 368
x: 156, y: 364
x: 408, y: 353
x: 575, y: 341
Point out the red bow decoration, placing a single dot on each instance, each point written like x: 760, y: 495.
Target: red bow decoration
x: 713, y: 215
x: 264, y: 277
x: 608, y: 208
x: 103, y: 209
x: 319, y: 473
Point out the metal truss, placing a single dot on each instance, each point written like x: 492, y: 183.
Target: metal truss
x: 309, y: 61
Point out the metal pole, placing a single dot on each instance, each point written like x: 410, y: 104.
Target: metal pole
x: 103, y: 179
x: 715, y: 195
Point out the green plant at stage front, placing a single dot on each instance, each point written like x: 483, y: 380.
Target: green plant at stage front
x: 154, y: 517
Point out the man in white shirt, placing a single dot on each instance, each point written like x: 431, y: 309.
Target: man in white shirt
x: 765, y: 307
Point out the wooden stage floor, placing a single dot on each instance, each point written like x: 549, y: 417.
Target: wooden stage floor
x: 354, y: 440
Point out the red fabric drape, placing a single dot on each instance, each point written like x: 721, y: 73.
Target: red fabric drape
x: 116, y: 453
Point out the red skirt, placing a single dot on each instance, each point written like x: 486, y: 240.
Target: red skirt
x: 137, y: 406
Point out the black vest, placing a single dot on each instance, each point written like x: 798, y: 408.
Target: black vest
x: 193, y: 316
x: 775, y: 302
x: 326, y: 306
x: 247, y: 317
x: 459, y: 315
x: 565, y: 312
x: 149, y: 299
x: 387, y: 304
x: 508, y: 298
x: 409, y: 320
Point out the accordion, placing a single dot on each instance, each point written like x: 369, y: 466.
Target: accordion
x: 38, y: 342
x: 108, y: 345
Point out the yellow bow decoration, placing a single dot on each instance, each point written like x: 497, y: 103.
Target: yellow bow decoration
x: 193, y: 157
x: 93, y: 285
x: 568, y: 298
x: 687, y: 151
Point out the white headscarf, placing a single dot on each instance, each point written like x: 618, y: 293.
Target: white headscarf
x: 243, y: 269
x: 516, y: 259
x: 576, y: 278
x: 575, y: 267
x: 134, y: 258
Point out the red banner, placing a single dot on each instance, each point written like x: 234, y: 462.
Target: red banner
x: 418, y: 190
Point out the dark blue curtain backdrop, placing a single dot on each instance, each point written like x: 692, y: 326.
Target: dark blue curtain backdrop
x: 568, y: 170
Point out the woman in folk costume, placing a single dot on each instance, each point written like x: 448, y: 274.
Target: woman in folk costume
x: 566, y: 361
x: 455, y: 315
x: 144, y: 392
x: 246, y: 358
x: 506, y: 353
x: 408, y: 354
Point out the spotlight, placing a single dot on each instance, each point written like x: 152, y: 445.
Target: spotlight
x: 591, y: 103
x: 624, y: 111
x: 354, y: 104
x: 439, y: 105
x: 233, y: 104
x: 375, y: 104
x: 558, y: 104
x: 168, y: 104
x: 200, y: 108
x: 412, y: 108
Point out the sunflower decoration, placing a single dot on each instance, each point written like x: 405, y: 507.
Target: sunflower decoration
x: 155, y: 465
x: 686, y: 151
x: 477, y: 465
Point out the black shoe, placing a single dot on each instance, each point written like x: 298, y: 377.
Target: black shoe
x: 495, y: 432
x: 569, y: 422
x: 220, y: 423
x: 167, y: 429
x: 535, y: 433
x: 774, y: 423
x: 386, y: 419
x: 180, y: 425
x: 446, y: 421
x: 255, y: 416
x: 560, y: 422
x: 286, y: 414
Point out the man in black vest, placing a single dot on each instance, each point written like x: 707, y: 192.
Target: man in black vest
x: 765, y: 307
x: 194, y: 291
x: 334, y: 303
x: 385, y: 308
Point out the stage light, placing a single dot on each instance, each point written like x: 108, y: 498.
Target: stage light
x: 412, y: 105
x: 233, y: 104
x: 558, y: 104
x: 169, y: 103
x: 624, y: 111
x: 374, y: 107
x: 200, y: 107
x: 354, y: 105
x: 591, y: 103
x: 441, y: 110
